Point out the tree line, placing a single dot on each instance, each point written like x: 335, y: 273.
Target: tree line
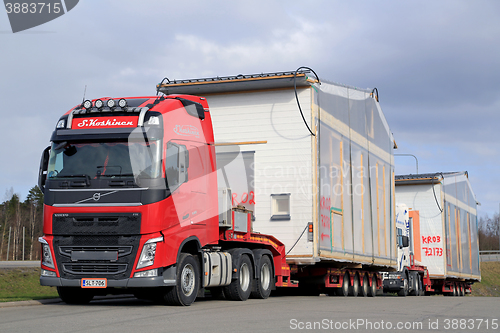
x: 21, y: 223
x: 489, y: 239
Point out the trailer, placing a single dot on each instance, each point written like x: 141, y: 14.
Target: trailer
x: 232, y: 185
x: 442, y: 225
x: 319, y: 171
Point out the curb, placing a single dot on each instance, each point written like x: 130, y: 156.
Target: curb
x: 58, y: 300
x: 30, y: 303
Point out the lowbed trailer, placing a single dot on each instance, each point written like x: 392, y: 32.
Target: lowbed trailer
x: 283, y: 181
x: 441, y: 220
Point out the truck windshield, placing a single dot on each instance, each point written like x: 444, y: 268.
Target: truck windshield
x: 105, y: 159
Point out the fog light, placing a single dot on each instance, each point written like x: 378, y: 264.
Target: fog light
x: 150, y: 273
x: 48, y: 273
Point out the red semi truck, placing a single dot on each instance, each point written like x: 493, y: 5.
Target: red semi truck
x: 137, y: 200
x: 128, y: 206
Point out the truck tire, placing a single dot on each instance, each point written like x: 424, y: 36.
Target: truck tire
x: 264, y: 283
x: 365, y: 288
x: 75, y: 295
x: 422, y: 287
x: 240, y: 288
x: 404, y: 291
x: 462, y: 290
x: 456, y: 291
x: 414, y: 285
x: 187, y: 282
x: 346, y: 284
x: 355, y: 285
x: 373, y: 287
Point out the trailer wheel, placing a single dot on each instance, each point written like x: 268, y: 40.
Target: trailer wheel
x: 373, y: 287
x: 240, y: 288
x: 455, y: 291
x: 346, y: 284
x: 264, y: 283
x: 187, y: 282
x: 462, y: 290
x: 355, y: 285
x: 365, y: 288
x: 74, y: 295
x: 404, y: 291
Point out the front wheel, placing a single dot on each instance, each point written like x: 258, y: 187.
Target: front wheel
x: 74, y: 295
x: 187, y: 282
x: 404, y: 291
x: 240, y: 288
x: 264, y: 284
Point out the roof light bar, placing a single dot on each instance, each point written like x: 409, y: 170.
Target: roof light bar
x: 122, y: 103
x: 111, y: 103
x: 99, y: 104
x: 87, y: 104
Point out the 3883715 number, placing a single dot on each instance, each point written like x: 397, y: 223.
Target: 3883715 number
x: 32, y: 7
x: 470, y: 324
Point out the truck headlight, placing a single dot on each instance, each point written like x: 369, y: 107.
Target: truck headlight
x: 46, y: 254
x: 148, y: 253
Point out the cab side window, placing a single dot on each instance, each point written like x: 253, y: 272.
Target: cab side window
x: 176, y: 165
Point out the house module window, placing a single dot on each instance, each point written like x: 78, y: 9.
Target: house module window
x: 280, y: 206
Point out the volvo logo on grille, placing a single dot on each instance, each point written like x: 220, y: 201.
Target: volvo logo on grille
x: 96, y: 196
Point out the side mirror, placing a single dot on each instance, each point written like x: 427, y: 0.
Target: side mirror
x: 406, y: 241
x: 42, y: 172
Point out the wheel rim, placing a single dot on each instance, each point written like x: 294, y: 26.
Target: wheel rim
x: 244, y: 277
x: 265, y: 276
x: 187, y: 280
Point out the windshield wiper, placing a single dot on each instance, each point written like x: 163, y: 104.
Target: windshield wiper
x: 118, y: 175
x: 87, y: 177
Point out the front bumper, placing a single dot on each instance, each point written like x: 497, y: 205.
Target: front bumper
x: 393, y: 285
x: 167, y: 279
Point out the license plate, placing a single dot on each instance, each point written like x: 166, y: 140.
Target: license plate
x: 94, y: 283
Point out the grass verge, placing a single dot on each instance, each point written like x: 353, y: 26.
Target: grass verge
x: 490, y: 280
x: 22, y: 284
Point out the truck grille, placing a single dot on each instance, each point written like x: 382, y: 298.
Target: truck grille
x: 94, y: 268
x: 96, y: 224
x: 103, y: 256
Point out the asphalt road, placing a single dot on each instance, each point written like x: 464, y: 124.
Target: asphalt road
x: 17, y: 264
x: 276, y: 314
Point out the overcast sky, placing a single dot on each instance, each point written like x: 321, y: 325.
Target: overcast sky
x: 436, y: 65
